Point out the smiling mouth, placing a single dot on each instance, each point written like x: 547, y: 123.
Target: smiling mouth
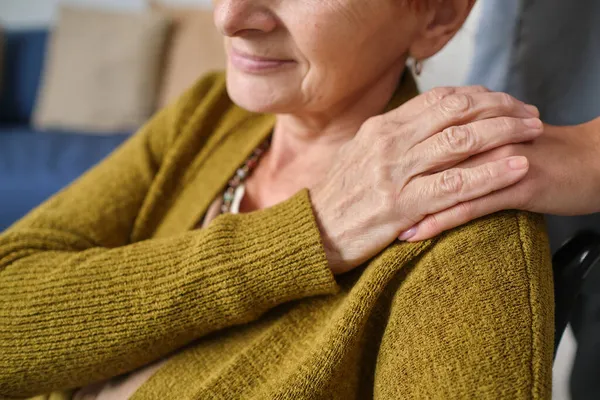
x: 256, y: 64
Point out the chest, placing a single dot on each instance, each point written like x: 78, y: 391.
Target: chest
x: 268, y: 185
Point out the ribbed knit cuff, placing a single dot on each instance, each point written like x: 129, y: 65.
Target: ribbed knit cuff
x: 79, y: 317
x: 282, y: 257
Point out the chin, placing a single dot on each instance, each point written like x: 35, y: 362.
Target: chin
x: 265, y: 94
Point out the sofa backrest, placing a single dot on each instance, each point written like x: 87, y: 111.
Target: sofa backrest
x: 24, y: 54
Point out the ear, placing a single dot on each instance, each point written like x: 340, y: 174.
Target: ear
x: 443, y: 20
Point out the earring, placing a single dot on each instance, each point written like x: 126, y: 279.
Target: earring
x: 417, y: 67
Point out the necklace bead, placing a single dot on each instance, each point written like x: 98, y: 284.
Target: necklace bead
x: 242, y: 174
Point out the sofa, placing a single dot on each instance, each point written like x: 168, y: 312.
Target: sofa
x: 36, y: 164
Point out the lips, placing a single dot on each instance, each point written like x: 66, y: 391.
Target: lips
x: 256, y: 64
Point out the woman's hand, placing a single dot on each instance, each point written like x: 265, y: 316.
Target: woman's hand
x: 563, y: 179
x: 401, y: 167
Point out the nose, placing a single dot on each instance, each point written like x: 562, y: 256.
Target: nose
x: 241, y: 17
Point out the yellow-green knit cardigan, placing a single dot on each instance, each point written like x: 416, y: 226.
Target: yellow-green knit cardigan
x: 109, y: 275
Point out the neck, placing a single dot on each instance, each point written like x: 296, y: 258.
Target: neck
x: 316, y: 135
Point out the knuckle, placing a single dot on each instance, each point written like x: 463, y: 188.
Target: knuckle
x: 388, y: 198
x: 456, y: 103
x: 382, y: 125
x: 465, y: 211
x: 507, y: 100
x: 451, y: 182
x: 408, y: 165
x: 459, y: 139
x: 435, y: 95
x: 488, y: 173
x: 381, y: 143
x: 506, y: 124
x: 389, y: 126
x: 388, y: 201
x: 372, y: 124
x: 382, y: 175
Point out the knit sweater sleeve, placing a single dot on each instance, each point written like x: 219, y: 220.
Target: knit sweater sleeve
x: 81, y: 302
x: 481, y: 322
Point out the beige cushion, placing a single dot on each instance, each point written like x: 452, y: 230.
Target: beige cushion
x: 196, y: 47
x: 102, y: 71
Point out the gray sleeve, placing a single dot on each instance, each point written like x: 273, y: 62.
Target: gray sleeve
x: 542, y: 52
x: 494, y: 40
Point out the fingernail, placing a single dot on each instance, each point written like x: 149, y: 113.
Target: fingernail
x: 518, y: 163
x: 535, y: 123
x: 408, y: 234
x: 533, y: 110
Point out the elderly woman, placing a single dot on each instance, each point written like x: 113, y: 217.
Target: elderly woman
x: 242, y: 244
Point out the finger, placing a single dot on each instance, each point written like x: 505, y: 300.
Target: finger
x: 422, y: 102
x: 459, y: 109
x: 454, y: 186
x: 458, y: 143
x: 499, y: 153
x: 461, y: 214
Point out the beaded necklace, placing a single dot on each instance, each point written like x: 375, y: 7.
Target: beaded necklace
x: 242, y: 174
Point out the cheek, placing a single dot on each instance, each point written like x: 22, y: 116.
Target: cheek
x: 322, y: 33
x: 347, y: 40
x: 326, y: 50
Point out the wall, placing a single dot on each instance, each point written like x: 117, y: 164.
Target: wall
x: 22, y: 13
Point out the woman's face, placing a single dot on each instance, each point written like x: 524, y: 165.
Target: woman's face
x: 294, y: 56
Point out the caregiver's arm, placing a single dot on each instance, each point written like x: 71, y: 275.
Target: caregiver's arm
x: 563, y: 179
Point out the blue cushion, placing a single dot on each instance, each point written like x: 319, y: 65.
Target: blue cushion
x: 36, y: 165
x: 24, y: 54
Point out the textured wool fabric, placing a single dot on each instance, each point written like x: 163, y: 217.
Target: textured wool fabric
x: 109, y: 275
x: 102, y: 71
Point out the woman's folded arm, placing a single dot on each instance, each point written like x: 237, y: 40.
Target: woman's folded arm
x: 73, y: 315
x: 81, y: 301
